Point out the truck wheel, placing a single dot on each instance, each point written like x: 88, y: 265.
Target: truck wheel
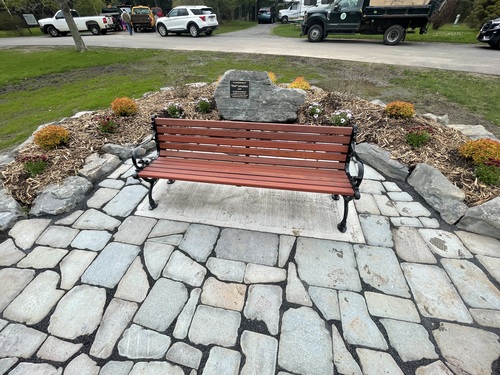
x: 135, y: 29
x: 315, y: 34
x: 193, y: 30
x: 94, y: 29
x: 104, y: 32
x: 393, y: 35
x: 284, y: 19
x: 52, y: 31
x: 208, y: 32
x: 162, y: 30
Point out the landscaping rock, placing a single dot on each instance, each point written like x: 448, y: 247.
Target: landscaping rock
x: 381, y: 160
x: 123, y: 152
x: 439, y: 192
x: 57, y: 199
x: 473, y: 131
x: 97, y: 166
x: 251, y: 96
x: 483, y: 219
x: 378, y: 102
x: 443, y: 120
x: 10, y: 210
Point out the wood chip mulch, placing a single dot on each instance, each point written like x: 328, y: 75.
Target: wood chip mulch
x: 374, y: 127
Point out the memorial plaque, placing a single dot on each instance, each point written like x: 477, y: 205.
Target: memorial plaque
x: 239, y: 89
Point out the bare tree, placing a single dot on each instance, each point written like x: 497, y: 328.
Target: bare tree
x: 73, y: 29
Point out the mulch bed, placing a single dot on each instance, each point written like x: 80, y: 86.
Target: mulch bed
x: 374, y: 127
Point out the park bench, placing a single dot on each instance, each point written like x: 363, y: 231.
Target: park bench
x: 305, y: 158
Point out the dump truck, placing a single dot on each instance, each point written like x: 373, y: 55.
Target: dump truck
x: 391, y: 18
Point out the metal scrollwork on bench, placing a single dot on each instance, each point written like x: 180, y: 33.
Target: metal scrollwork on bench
x: 142, y: 162
x: 355, y: 180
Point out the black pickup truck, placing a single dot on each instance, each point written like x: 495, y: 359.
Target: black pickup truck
x: 359, y: 17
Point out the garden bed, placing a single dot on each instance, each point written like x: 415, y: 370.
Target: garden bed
x: 441, y: 151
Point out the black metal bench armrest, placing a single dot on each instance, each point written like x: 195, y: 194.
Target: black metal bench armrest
x: 358, y: 165
x: 141, y: 162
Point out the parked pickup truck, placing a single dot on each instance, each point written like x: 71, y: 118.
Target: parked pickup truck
x: 57, y: 25
x: 358, y: 16
x: 143, y: 18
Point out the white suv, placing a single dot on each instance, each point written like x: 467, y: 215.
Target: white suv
x: 192, y: 19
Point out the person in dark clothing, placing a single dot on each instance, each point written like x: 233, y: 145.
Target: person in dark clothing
x: 128, y: 21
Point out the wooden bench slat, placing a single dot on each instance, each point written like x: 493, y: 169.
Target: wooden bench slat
x: 327, y: 176
x: 263, y: 135
x: 316, y: 164
x: 287, y: 128
x: 271, y: 144
x: 246, y: 181
x: 253, y: 151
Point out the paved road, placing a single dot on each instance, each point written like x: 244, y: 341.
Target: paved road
x: 467, y: 58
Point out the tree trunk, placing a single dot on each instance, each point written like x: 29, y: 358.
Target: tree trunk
x: 77, y: 37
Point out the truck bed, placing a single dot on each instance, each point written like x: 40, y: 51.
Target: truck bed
x: 390, y: 11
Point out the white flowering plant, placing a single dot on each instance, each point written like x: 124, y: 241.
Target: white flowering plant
x: 175, y: 110
x: 341, y: 117
x: 315, y: 110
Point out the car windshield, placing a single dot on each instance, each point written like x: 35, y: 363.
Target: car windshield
x: 141, y: 11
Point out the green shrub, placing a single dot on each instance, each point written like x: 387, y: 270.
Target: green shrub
x: 203, y: 105
x: 34, y: 164
x: 124, y: 107
x: 489, y: 173
x: 418, y: 136
x: 400, y: 109
x: 175, y: 110
x: 107, y: 124
x: 51, y: 136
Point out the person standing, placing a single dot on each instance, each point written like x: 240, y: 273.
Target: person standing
x: 128, y: 21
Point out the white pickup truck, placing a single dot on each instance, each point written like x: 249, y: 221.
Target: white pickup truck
x: 57, y: 25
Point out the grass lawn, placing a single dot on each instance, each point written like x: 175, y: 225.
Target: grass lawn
x: 40, y: 85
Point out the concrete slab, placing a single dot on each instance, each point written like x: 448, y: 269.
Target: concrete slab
x: 277, y: 211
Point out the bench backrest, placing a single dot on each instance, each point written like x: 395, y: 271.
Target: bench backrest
x: 306, y: 146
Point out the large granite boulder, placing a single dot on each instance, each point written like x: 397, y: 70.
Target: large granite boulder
x: 244, y: 95
x: 10, y: 210
x: 381, y: 160
x: 438, y: 192
x: 483, y: 219
x: 57, y: 199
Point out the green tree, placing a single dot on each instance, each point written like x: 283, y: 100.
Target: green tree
x: 88, y: 7
x: 483, y: 10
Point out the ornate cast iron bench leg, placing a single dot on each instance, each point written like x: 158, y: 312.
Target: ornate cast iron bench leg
x: 342, y: 226
x: 152, y: 182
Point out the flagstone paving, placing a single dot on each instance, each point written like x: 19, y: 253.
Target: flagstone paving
x: 105, y: 291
